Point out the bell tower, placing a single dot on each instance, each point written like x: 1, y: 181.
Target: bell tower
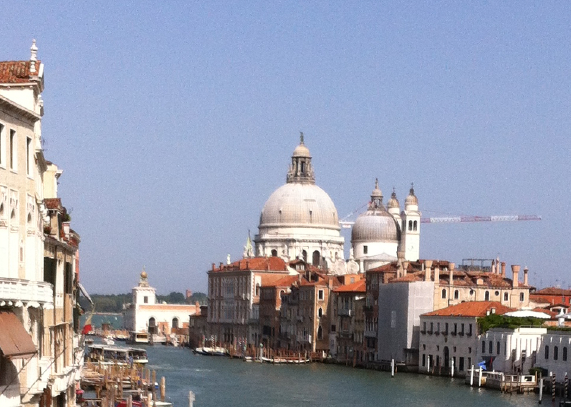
x: 411, y: 227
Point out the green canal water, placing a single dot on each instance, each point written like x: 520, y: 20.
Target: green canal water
x: 220, y: 381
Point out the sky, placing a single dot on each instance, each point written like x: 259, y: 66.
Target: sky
x: 175, y: 121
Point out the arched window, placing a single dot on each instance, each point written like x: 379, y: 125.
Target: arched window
x: 555, y: 353
x: 506, y: 296
x: 456, y: 294
x: 414, y: 225
x: 487, y: 296
x: 152, y: 325
x: 175, y: 323
x: 304, y: 255
x: 320, y: 312
x: 521, y: 297
x: 565, y: 354
x: 546, y: 352
x: 316, y: 258
x: 319, y: 333
x: 444, y: 293
x: 410, y: 225
x: 274, y: 253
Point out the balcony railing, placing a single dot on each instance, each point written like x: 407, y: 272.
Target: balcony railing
x: 15, y: 289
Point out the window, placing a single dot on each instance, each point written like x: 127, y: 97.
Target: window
x: 498, y: 348
x: 175, y: 323
x: 414, y: 225
x: 2, y: 146
x: 423, y: 359
x: 521, y: 297
x: 469, y: 329
x: 320, y: 312
x: 444, y: 293
x: 320, y: 294
x: 145, y: 299
x: 274, y: 253
x: 365, y: 249
x: 456, y: 294
x: 13, y: 149
x: 410, y: 225
x: 487, y: 296
x: 505, y: 296
x: 565, y: 354
x: 546, y: 352
x: 490, y: 347
x: 28, y: 156
x: 7, y: 371
x: 555, y: 352
x: 319, y: 333
x: 333, y: 328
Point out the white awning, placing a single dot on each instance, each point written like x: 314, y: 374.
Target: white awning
x: 527, y: 313
x: 84, y: 292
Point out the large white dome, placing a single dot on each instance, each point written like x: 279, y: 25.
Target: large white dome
x: 298, y: 205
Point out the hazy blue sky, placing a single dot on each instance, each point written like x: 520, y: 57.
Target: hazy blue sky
x: 175, y: 121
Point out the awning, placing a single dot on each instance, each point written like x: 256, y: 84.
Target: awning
x: 84, y: 292
x: 15, y: 342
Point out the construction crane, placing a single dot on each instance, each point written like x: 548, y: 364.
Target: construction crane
x: 459, y: 219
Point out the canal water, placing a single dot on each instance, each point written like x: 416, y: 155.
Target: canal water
x: 220, y: 381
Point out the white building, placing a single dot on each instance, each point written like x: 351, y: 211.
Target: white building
x: 39, y: 364
x: 449, y: 337
x: 553, y: 353
x: 299, y: 219
x: 145, y: 316
x: 382, y: 235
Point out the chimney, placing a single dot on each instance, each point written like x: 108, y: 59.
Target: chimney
x: 451, y: 268
x: 427, y: 273
x: 494, y: 271
x: 213, y: 266
x: 437, y: 274
x: 405, y: 268
x: 525, y: 271
x: 503, y: 268
x: 515, y: 270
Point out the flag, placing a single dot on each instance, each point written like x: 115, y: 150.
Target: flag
x: 87, y: 327
x: 482, y: 365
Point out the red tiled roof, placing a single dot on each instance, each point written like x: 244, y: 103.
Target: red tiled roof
x: 471, y: 309
x: 282, y: 282
x: 16, y: 71
x: 255, y: 263
x: 356, y: 287
x: 552, y: 291
x: 552, y: 314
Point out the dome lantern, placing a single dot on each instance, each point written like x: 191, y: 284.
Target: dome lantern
x: 301, y: 170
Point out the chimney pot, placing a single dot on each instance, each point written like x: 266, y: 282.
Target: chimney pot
x: 503, y: 268
x: 525, y: 276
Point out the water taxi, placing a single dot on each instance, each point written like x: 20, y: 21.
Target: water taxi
x: 116, y: 355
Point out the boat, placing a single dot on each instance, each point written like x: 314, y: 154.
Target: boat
x: 215, y: 351
x: 116, y: 355
x: 138, y: 337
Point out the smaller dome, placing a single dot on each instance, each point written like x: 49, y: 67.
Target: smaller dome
x: 375, y: 226
x: 411, y: 199
x: 301, y: 151
x: 393, y: 202
x: 377, y: 193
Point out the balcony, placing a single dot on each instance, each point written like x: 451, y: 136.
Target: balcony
x: 15, y: 289
x: 345, y: 312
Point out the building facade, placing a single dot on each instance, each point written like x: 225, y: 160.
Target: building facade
x: 40, y: 350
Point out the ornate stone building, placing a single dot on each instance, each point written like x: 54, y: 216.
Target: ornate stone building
x: 299, y: 219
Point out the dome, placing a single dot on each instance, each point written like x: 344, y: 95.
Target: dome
x: 301, y: 151
x: 393, y: 202
x: 297, y: 204
x: 375, y: 226
x: 411, y: 199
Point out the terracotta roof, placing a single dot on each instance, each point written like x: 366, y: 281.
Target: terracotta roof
x: 16, y: 71
x: 282, y: 282
x: 471, y: 309
x: 255, y: 263
x: 356, y: 287
x: 552, y: 291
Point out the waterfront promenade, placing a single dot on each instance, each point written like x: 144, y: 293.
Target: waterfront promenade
x: 219, y: 381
